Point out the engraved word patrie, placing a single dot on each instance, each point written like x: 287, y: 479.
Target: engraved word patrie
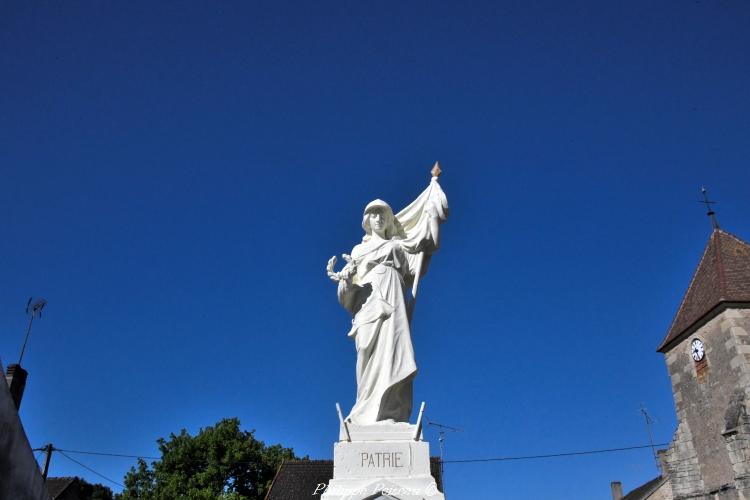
x: 380, y: 459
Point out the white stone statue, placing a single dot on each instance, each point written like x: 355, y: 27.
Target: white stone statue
x: 374, y: 287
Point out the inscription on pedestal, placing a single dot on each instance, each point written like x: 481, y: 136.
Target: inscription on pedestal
x: 392, y: 469
x: 378, y: 459
x: 373, y: 459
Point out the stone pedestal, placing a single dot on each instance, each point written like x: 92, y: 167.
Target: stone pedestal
x: 381, y: 461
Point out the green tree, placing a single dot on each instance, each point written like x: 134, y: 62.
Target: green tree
x: 220, y: 462
x: 95, y: 491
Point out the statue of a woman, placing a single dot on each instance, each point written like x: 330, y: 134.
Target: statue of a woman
x: 373, y: 286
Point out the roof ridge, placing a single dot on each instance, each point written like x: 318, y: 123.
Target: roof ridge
x: 307, y: 460
x: 720, y: 268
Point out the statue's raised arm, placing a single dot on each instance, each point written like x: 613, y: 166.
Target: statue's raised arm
x: 421, y: 223
x: 374, y: 287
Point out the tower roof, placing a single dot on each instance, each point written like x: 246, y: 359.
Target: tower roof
x: 722, y: 276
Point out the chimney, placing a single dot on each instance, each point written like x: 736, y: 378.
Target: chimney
x: 616, y: 490
x: 16, y: 379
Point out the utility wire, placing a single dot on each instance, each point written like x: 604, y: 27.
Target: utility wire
x: 108, y: 454
x: 554, y: 455
x: 90, y: 469
x: 498, y: 459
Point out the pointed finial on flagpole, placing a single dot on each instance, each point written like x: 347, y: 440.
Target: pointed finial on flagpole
x: 710, y: 211
x: 436, y: 170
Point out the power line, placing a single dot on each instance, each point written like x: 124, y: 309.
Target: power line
x: 90, y: 469
x: 474, y: 460
x: 554, y: 455
x: 121, y: 455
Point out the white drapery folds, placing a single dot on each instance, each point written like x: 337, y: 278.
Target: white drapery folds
x: 420, y: 220
x: 376, y: 293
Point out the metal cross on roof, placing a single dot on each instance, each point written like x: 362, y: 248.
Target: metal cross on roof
x: 710, y: 211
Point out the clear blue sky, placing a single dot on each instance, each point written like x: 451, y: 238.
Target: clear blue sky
x: 175, y: 176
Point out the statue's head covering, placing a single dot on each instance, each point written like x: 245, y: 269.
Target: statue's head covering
x: 378, y: 204
x: 393, y: 227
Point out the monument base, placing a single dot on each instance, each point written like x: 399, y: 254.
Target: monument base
x: 383, y: 460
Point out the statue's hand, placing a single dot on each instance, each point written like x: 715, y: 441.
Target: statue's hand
x: 329, y: 269
x: 349, y: 269
x: 347, y: 273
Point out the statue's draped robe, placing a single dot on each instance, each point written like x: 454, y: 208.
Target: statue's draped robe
x: 377, y: 299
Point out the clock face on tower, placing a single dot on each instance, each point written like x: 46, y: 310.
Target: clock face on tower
x: 697, y: 350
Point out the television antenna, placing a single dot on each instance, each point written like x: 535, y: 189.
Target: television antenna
x: 442, y: 430
x: 33, y: 309
x: 650, y: 421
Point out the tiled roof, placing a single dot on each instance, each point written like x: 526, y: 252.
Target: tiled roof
x: 57, y: 485
x: 723, y: 275
x: 298, y: 479
x: 645, y: 490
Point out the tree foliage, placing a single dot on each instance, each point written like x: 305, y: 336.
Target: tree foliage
x: 220, y: 462
x: 89, y: 491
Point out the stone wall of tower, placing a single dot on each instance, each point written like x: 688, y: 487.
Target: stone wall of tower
x: 738, y: 447
x: 704, y: 458
x: 681, y: 464
x: 664, y: 492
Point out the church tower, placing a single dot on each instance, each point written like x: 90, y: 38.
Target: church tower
x: 707, y: 351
